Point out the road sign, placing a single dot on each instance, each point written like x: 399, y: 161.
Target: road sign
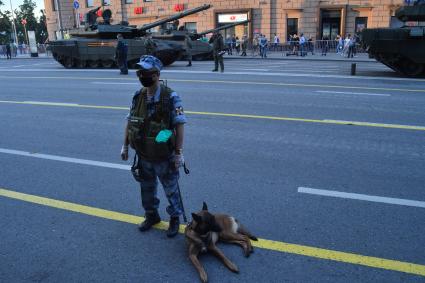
x: 76, y: 4
x: 24, y: 21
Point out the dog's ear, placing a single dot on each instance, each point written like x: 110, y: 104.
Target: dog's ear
x: 204, y: 206
x: 196, y: 217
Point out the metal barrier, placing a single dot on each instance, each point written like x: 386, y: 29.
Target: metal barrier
x: 18, y: 51
x: 293, y: 48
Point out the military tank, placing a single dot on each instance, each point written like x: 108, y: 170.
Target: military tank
x: 401, y: 49
x: 94, y: 46
x: 200, y: 50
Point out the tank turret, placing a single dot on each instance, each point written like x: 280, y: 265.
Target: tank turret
x: 94, y: 45
x: 402, y: 49
x: 200, y: 50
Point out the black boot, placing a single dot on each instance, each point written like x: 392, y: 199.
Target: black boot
x: 150, y: 220
x: 173, y: 229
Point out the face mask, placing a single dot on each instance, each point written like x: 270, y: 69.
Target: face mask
x: 146, y: 81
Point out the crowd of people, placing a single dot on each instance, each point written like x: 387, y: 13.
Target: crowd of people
x: 12, y: 49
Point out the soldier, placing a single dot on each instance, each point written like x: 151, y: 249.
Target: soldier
x: 218, y: 50
x: 121, y: 55
x: 155, y: 130
x: 149, y: 45
x: 188, y: 47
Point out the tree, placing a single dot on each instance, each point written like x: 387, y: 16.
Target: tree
x: 5, y: 26
x: 41, y: 30
x: 26, y: 11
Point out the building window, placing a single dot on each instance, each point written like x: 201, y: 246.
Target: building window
x: 291, y: 27
x: 54, y: 7
x: 89, y: 3
x: 361, y: 24
x: 147, y: 0
x: 190, y: 26
x: 128, y: 1
x: 106, y: 2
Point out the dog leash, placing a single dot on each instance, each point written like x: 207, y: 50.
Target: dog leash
x: 186, y: 171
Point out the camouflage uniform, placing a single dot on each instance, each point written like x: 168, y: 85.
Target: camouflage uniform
x: 188, y: 48
x: 149, y: 46
x: 162, y: 170
x: 218, y: 46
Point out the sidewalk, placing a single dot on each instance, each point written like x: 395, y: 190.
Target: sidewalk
x: 277, y: 55
x: 28, y: 56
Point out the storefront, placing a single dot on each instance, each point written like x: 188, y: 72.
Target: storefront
x: 229, y: 17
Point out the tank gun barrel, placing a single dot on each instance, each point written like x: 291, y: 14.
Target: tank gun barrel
x: 144, y: 28
x: 199, y: 35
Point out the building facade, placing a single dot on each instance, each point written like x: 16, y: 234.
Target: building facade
x: 318, y: 19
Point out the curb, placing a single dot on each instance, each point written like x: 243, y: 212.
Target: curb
x: 305, y: 59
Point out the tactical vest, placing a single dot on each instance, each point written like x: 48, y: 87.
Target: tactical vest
x: 142, y: 129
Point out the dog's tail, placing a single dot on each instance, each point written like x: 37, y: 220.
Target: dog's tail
x: 245, y: 232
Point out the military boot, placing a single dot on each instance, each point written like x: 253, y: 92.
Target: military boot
x: 173, y: 229
x: 150, y: 220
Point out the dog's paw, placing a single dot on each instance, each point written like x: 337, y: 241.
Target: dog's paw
x: 204, y: 277
x: 233, y: 268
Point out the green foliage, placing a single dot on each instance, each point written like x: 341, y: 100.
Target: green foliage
x: 25, y: 11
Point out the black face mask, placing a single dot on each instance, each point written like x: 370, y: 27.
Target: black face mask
x: 146, y: 81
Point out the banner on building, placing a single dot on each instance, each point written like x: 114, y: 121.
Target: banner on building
x: 232, y: 18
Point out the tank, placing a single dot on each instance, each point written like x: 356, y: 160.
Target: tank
x: 402, y: 49
x: 94, y: 46
x: 200, y: 50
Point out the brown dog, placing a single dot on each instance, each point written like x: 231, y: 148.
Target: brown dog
x: 207, y: 229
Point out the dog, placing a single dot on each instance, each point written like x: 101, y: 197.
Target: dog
x: 207, y: 229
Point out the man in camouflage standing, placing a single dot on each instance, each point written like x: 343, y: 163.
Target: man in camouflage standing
x: 218, y: 50
x: 188, y: 48
x: 121, y: 55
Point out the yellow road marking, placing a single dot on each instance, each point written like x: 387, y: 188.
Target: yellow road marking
x: 225, y: 82
x: 309, y: 251
x: 324, y: 121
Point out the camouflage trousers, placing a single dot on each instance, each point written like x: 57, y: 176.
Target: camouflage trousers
x: 168, y: 176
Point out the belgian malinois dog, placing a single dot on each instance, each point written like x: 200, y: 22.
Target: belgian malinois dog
x: 207, y: 229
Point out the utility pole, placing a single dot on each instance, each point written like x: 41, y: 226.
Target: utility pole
x: 13, y: 22
x: 59, y: 17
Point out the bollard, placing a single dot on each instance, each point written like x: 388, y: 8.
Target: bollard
x: 353, y: 69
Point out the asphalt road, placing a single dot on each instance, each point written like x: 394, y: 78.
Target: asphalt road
x: 261, y: 138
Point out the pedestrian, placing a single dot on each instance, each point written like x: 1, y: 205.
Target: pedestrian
x: 346, y: 43
x: 351, y: 46
x: 244, y: 45
x: 121, y: 55
x: 340, y: 45
x: 188, y: 48
x: 229, y: 45
x: 310, y: 44
x: 218, y: 50
x: 263, y: 45
x: 238, y: 45
x: 8, y: 51
x: 155, y: 129
x: 325, y: 46
x: 276, y: 41
x: 302, y: 45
